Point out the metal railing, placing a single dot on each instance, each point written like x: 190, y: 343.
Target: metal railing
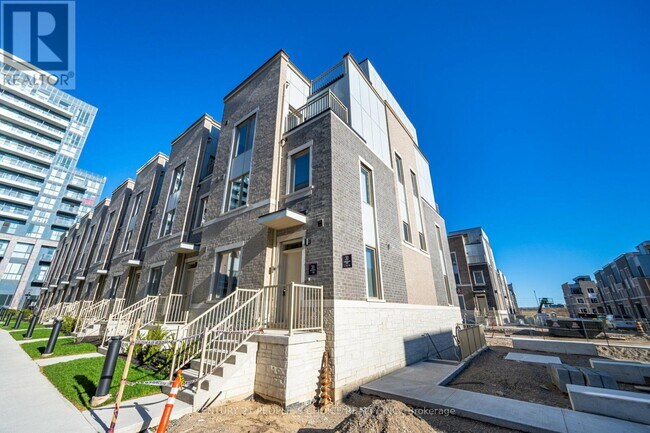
x: 326, y: 101
x: 17, y: 193
x: 70, y: 309
x: 123, y: 321
x: 90, y: 314
x: 328, y: 77
x: 294, y: 307
x: 50, y: 312
x: 222, y: 341
x: 74, y: 195
x: 192, y: 347
x: 118, y: 304
x: 174, y: 311
x: 69, y: 208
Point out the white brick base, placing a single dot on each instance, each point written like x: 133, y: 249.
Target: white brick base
x: 371, y: 339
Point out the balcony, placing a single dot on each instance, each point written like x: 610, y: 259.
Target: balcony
x: 16, y: 212
x: 10, y: 194
x: 64, y: 222
x: 18, y: 91
x: 327, y: 101
x: 14, y: 179
x: 16, y: 102
x: 68, y: 208
x: 26, y: 151
x: 27, y: 136
x: 328, y: 77
x: 31, y: 123
x: 74, y: 195
x: 19, y: 165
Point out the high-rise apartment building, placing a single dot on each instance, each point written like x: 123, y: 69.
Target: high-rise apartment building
x: 42, y: 192
x: 483, y: 290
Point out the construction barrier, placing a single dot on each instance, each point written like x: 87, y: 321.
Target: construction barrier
x: 164, y: 420
x: 470, y: 339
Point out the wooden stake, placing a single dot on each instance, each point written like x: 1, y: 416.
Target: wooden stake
x: 325, y: 384
x: 129, y: 355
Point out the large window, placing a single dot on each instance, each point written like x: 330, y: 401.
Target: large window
x: 177, y: 180
x: 22, y: 251
x: 300, y: 170
x: 371, y: 272
x: 201, y: 211
x: 227, y: 267
x: 168, y: 222
x: 154, y: 281
x: 406, y: 225
x: 238, y: 192
x: 115, y: 283
x: 245, y: 135
x: 366, y: 186
x: 127, y: 239
x: 418, y: 212
x: 479, y: 280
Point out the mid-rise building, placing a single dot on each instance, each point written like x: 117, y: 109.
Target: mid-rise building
x: 582, y: 297
x: 625, y: 284
x: 312, y: 194
x: 42, y: 192
x: 483, y: 290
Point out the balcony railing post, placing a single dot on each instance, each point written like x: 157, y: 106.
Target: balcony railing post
x: 291, y: 309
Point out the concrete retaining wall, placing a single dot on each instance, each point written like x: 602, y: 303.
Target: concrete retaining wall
x: 626, y: 372
x: 555, y: 346
x: 630, y: 406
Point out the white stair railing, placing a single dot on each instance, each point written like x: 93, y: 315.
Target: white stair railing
x: 174, y: 311
x: 70, y: 309
x: 122, y: 322
x: 91, y: 314
x: 223, y: 340
x: 185, y: 352
x: 50, y: 312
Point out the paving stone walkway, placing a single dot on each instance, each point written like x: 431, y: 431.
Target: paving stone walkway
x: 33, y: 404
x: 58, y: 359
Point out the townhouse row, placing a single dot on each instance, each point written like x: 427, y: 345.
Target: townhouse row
x: 314, y: 185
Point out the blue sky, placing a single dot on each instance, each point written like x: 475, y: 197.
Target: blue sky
x: 535, y: 115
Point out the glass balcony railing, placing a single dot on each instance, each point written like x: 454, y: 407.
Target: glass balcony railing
x: 74, y: 195
x: 19, y: 147
x: 28, y: 135
x: 17, y: 210
x: 20, y: 179
x: 33, y: 108
x: 65, y: 222
x: 31, y: 121
x: 10, y: 192
x: 9, y: 160
x: 69, y: 208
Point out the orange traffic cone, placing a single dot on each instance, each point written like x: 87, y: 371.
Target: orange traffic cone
x: 164, y: 421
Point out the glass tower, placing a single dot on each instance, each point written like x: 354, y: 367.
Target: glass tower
x: 42, y: 192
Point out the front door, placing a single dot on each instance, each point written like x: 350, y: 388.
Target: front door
x: 187, y: 280
x: 291, y: 271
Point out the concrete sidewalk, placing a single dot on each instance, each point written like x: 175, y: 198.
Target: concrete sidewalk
x: 32, y: 404
x: 419, y: 385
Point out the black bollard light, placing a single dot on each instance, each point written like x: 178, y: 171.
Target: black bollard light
x: 32, y: 325
x: 53, y: 336
x: 3, y: 313
x: 19, y: 319
x: 105, y: 379
x: 9, y: 317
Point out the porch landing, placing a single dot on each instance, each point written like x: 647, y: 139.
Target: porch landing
x: 419, y: 385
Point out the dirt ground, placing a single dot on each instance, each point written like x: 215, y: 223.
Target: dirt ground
x: 356, y: 414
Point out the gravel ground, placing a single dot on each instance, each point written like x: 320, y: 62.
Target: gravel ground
x: 490, y: 374
x: 356, y: 414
